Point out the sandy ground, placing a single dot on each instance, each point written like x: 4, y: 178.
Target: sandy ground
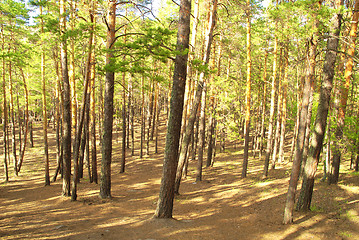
x: 222, y: 206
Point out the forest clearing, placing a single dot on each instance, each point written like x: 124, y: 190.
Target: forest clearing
x: 222, y: 206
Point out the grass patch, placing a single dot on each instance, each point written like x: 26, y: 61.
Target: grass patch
x: 315, y: 208
x: 345, y: 234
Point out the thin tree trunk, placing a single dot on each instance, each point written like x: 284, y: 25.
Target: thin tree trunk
x: 124, y: 123
x: 201, y: 134
x: 211, y: 132
x: 271, y: 112
x: 248, y: 93
x: 284, y: 108
x: 26, y: 92
x: 264, y: 106
x: 142, y: 116
x: 44, y: 109
x: 80, y: 124
x: 58, y: 102
x: 12, y: 122
x: 211, y: 23
x: 94, y: 175
x: 5, y: 116
x: 186, y: 139
x: 278, y: 122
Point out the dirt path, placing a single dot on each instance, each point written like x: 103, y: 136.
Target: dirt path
x: 222, y: 206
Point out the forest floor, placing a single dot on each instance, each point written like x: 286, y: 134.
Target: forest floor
x: 222, y: 206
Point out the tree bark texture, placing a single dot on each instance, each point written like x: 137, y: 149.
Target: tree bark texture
x: 344, y: 90
x: 66, y: 106
x: 105, y: 185
x: 165, y: 202
x: 322, y: 114
x: 248, y: 94
x: 289, y: 206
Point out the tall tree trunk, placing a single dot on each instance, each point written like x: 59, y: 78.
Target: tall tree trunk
x: 72, y: 67
x: 124, y: 113
x: 322, y: 112
x: 165, y: 202
x: 5, y: 117
x: 211, y: 23
x: 149, y: 116
x: 344, y: 90
x: 211, y: 132
x: 66, y: 106
x: 94, y: 175
x: 80, y: 124
x: 142, y: 116
x: 284, y: 108
x: 264, y: 106
x: 44, y: 110
x: 279, y: 118
x: 289, y: 206
x: 58, y: 102
x: 248, y: 93
x: 124, y: 124
x: 12, y: 118
x: 212, y: 14
x: 105, y: 185
x: 26, y: 93
x: 201, y: 133
x: 272, y: 109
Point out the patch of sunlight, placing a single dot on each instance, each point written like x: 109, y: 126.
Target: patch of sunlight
x: 118, y: 222
x: 54, y: 198
x: 139, y: 186
x: 352, y: 202
x: 261, y: 197
x: 295, y: 228
x: 186, y: 230
x: 197, y: 200
x: 227, y: 194
x: 202, y: 214
x: 345, y: 234
x: 351, y: 214
x: 350, y: 189
x: 262, y: 183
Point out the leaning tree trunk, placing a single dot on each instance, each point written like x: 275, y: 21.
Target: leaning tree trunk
x: 165, y: 202
x: 191, y: 121
x: 322, y: 114
x: 289, y: 206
